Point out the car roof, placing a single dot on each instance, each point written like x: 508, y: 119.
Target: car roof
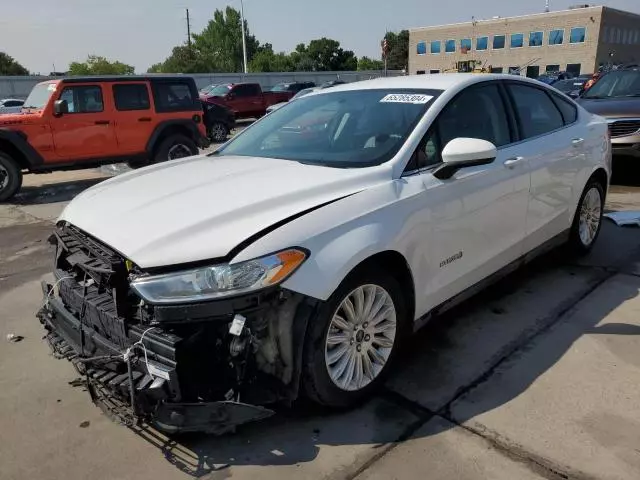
x: 440, y: 81
x: 11, y: 100
x: 124, y: 78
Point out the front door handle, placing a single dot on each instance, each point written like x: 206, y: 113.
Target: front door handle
x: 102, y: 122
x: 512, y: 162
x: 144, y: 119
x: 576, y: 142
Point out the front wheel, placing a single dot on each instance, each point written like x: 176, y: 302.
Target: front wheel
x: 587, y: 220
x: 10, y: 177
x: 353, y: 340
x: 174, y: 147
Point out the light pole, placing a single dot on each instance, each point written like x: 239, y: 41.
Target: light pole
x: 244, y: 41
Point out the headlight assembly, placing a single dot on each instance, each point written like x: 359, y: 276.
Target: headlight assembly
x: 209, y: 283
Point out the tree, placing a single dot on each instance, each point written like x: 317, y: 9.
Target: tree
x: 366, y: 63
x: 398, y: 55
x: 267, y: 61
x: 218, y: 48
x: 327, y: 55
x: 8, y: 66
x: 96, y: 65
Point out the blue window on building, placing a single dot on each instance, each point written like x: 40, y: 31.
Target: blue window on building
x: 556, y: 37
x: 450, y: 46
x: 535, y: 39
x: 421, y: 48
x: 498, y: 42
x: 517, y: 40
x: 482, y: 43
x: 465, y: 45
x: 577, y: 35
x: 436, y: 47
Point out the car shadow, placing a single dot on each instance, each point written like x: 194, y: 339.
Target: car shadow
x: 626, y: 171
x: 53, y: 192
x: 303, y: 433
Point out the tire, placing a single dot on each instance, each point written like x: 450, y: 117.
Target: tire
x: 319, y: 367
x: 10, y: 177
x: 179, y: 144
x: 587, y: 220
x: 218, y: 132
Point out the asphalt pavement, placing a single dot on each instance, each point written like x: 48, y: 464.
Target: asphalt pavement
x: 536, y: 377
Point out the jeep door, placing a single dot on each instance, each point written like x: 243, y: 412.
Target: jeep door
x: 87, y: 130
x: 134, y: 116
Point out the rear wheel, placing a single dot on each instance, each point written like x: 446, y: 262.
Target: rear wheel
x: 174, y: 147
x: 218, y: 132
x: 352, y: 342
x: 10, y: 177
x: 588, y: 219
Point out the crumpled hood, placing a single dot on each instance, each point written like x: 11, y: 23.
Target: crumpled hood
x: 202, y: 207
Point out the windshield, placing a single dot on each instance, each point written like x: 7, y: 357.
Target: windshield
x: 220, y: 90
x: 357, y: 128
x: 39, y: 96
x: 280, y: 87
x: 207, y: 88
x: 616, y: 85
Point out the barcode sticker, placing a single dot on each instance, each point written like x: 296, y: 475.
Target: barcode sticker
x: 415, y: 99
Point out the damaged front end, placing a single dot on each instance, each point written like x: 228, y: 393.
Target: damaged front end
x: 207, y: 366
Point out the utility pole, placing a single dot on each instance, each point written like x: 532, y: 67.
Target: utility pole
x: 188, y: 30
x: 244, y: 41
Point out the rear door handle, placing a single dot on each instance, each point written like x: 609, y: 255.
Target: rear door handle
x: 102, y: 122
x: 512, y: 162
x: 577, y: 142
x: 144, y: 119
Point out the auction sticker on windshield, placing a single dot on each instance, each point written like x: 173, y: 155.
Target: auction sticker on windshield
x: 416, y: 99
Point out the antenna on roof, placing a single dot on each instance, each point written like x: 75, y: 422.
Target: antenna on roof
x: 546, y: 6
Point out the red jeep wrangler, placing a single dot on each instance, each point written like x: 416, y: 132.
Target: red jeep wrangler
x: 76, y: 123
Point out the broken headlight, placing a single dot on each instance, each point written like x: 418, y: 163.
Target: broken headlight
x: 209, y: 283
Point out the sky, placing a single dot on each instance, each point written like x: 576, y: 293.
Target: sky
x: 143, y: 32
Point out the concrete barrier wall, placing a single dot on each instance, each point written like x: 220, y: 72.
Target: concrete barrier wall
x: 19, y: 87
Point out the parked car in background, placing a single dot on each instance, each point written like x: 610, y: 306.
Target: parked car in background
x: 10, y: 105
x: 332, y: 83
x: 78, y: 122
x: 218, y: 121
x: 297, y: 261
x: 292, y: 87
x: 571, y: 86
x: 616, y: 97
x: 552, y: 77
x: 301, y: 93
x: 245, y: 100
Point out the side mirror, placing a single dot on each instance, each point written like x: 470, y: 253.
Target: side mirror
x: 463, y: 153
x: 60, y: 107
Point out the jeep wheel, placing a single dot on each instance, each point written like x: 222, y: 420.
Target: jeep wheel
x: 10, y: 177
x: 174, y: 147
x: 218, y: 132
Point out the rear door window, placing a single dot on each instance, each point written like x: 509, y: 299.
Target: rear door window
x: 536, y: 113
x: 174, y: 96
x: 134, y: 96
x: 567, y: 109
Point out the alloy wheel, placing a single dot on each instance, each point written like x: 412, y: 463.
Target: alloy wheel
x: 361, y: 337
x: 590, y: 216
x: 218, y: 132
x: 179, y: 150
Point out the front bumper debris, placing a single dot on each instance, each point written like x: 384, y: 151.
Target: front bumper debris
x: 129, y: 392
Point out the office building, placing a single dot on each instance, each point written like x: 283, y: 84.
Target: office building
x: 578, y: 40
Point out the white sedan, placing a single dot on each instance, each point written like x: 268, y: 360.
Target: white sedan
x: 300, y: 255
